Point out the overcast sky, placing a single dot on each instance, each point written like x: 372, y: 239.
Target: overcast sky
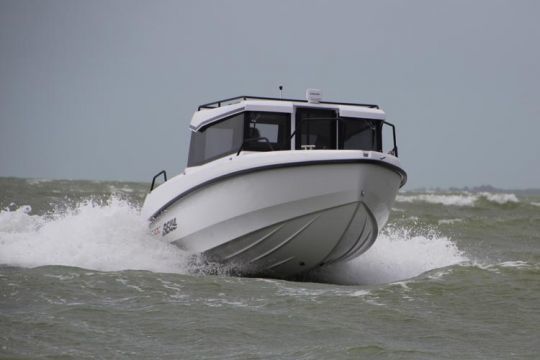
x: 106, y: 89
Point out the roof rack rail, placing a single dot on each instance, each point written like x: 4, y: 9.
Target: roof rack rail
x: 219, y: 103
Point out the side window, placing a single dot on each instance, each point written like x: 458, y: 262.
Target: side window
x: 360, y: 134
x: 216, y: 140
x: 267, y: 131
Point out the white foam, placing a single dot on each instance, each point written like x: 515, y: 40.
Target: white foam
x: 499, y: 198
x: 461, y: 199
x: 518, y: 264
x: 397, y: 255
x: 106, y: 237
x: 13, y: 221
x: 443, y: 199
x: 38, y: 181
x: 449, y: 221
x: 360, y: 293
x: 498, y: 267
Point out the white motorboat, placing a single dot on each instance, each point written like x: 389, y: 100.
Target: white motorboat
x: 277, y: 187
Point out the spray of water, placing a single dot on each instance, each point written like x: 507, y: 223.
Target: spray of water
x: 105, y: 236
x: 397, y: 254
x: 112, y: 236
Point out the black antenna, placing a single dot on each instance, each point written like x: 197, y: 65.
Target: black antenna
x: 281, y: 91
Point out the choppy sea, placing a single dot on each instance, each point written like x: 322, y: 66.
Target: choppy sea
x: 454, y: 275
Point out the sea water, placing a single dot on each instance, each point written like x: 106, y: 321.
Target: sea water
x: 453, y: 275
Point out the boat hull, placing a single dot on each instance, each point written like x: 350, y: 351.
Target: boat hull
x: 281, y: 221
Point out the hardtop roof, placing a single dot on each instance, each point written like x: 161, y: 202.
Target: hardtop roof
x: 215, y: 111
x: 219, y: 103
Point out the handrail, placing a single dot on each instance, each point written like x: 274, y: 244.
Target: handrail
x: 255, y: 139
x: 394, y: 151
x: 162, y: 172
x: 218, y: 103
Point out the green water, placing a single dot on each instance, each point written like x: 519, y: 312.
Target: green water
x: 454, y: 275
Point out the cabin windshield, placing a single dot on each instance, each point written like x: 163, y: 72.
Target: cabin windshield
x: 267, y: 131
x: 316, y: 129
x: 251, y: 131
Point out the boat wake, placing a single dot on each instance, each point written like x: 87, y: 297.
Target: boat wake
x: 113, y: 236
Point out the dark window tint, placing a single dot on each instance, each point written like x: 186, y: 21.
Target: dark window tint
x: 216, y: 140
x: 360, y: 134
x: 267, y: 131
x: 315, y: 129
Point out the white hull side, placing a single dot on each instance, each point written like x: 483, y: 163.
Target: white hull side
x: 283, y: 221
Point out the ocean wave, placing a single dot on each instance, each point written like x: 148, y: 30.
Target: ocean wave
x: 500, y: 267
x: 461, y: 199
x: 517, y: 264
x: 38, y: 181
x: 443, y: 199
x: 105, y: 236
x: 499, y: 198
